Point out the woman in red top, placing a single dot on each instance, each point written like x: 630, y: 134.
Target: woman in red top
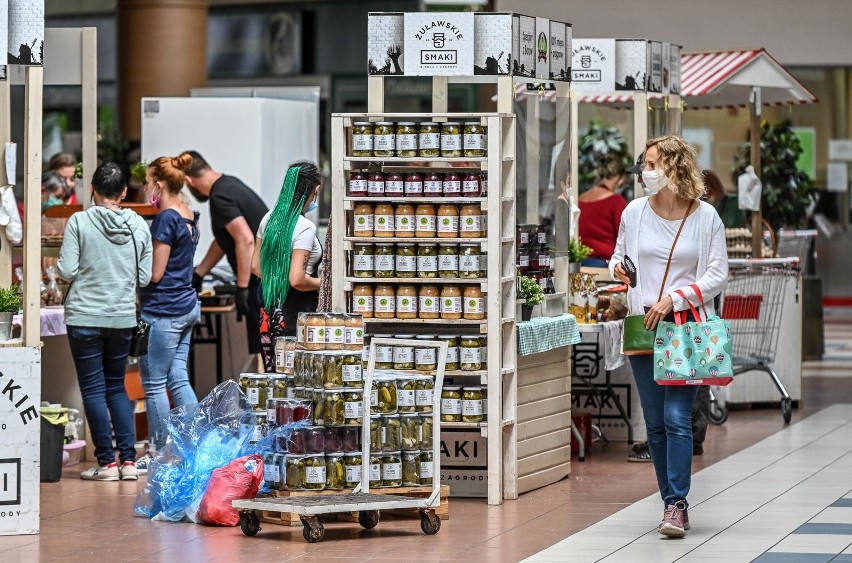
x: 600, y: 212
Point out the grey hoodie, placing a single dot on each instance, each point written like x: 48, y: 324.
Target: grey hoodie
x: 97, y: 256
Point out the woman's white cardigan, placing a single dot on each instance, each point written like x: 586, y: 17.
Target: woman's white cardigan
x: 712, y: 257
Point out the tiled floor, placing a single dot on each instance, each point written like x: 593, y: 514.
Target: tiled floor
x: 766, y: 500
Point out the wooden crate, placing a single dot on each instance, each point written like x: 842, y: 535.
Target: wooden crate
x: 288, y: 519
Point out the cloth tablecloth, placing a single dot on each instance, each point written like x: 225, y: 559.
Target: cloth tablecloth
x: 52, y: 321
x: 542, y: 334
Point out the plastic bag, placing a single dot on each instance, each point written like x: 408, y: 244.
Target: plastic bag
x: 52, y: 295
x: 749, y: 189
x: 238, y: 480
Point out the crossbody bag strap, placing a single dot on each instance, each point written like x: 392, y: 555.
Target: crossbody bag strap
x: 671, y: 252
x: 135, y: 253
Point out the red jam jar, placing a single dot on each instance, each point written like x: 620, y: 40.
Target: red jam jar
x: 376, y: 185
x: 523, y: 261
x: 471, y: 185
x: 452, y: 185
x: 433, y: 185
x: 394, y: 185
x: 413, y: 185
x: 315, y: 440
x: 358, y: 184
x: 303, y: 410
x: 334, y: 439
x: 351, y: 438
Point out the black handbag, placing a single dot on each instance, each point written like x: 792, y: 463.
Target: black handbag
x: 142, y: 332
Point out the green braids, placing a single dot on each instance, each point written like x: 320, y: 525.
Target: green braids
x: 277, y: 244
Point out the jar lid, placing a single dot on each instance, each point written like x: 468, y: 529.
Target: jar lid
x: 404, y: 336
x: 254, y: 376
x: 384, y: 123
x: 362, y: 123
x: 471, y: 244
x: 472, y: 388
x: 334, y: 390
x: 334, y: 453
x: 398, y: 453
x: 427, y: 244
x: 405, y: 123
x: 451, y: 123
x: 294, y: 456
x: 410, y: 452
x: 384, y: 244
x: 472, y: 123
x: 408, y: 414
x: 452, y: 387
x: 424, y: 337
x: 442, y: 336
x: 428, y: 123
x: 315, y: 428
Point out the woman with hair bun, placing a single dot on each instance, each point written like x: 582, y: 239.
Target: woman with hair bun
x: 600, y: 212
x: 169, y: 302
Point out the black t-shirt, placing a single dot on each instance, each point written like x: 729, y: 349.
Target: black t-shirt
x: 230, y: 198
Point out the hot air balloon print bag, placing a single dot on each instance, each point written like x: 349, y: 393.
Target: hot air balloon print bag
x: 693, y: 352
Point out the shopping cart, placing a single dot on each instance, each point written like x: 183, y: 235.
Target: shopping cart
x: 752, y: 303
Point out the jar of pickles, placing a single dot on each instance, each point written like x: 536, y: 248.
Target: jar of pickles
x: 427, y: 260
x: 285, y: 349
x: 404, y: 221
x: 483, y: 353
x: 255, y: 387
x: 362, y: 300
x: 403, y: 354
x: 375, y: 470
x: 413, y: 184
x: 448, y: 220
x: 472, y: 405
x: 335, y: 472
x: 452, y: 351
x: 429, y: 139
x: 384, y: 221
x: 427, y: 467
x: 411, y: 429
x: 433, y: 185
x: 448, y: 261
x: 426, y: 357
x: 451, y: 302
x: 470, y: 354
x: 318, y: 398
x: 353, y: 407
x: 411, y: 468
x: 473, y: 300
x: 363, y: 220
x: 384, y: 139
x: 384, y: 355
x: 423, y: 394
x: 394, y: 185
x: 452, y: 185
x: 375, y: 433
x: 469, y: 255
x: 362, y: 139
x: 470, y: 221
x: 352, y: 470
x: 405, y: 388
x: 392, y: 469
x: 426, y: 437
x: 391, y: 432
x: 357, y: 184
x: 474, y: 139
x: 429, y: 302
x: 386, y: 395
x: 451, y: 404
x: 451, y: 139
x: 426, y: 218
x: 352, y: 371
x: 363, y: 260
x: 305, y: 472
x: 406, y: 260
x: 278, y: 384
x: 406, y: 139
x: 471, y: 185
x: 334, y: 406
x: 376, y: 184
x: 384, y: 260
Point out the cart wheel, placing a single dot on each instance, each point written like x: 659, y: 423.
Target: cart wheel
x: 718, y: 414
x: 368, y: 519
x: 787, y: 409
x: 312, y: 530
x: 249, y: 523
x: 430, y: 523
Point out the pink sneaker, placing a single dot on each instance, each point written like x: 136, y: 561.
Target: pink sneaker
x: 675, y: 520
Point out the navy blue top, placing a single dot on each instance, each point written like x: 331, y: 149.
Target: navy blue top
x: 173, y: 294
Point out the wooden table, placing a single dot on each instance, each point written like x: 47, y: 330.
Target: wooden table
x: 209, y: 331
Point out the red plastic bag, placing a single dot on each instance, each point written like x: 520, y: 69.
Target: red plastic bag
x: 238, y: 480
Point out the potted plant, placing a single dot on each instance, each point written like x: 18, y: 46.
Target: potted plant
x: 600, y: 141
x: 532, y: 294
x: 577, y: 252
x: 10, y: 303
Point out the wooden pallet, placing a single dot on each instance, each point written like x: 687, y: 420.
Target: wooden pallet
x: 287, y: 519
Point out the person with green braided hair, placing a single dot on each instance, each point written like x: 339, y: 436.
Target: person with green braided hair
x: 286, y: 258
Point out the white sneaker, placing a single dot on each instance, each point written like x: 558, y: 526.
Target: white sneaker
x: 128, y: 471
x: 101, y: 473
x: 143, y: 463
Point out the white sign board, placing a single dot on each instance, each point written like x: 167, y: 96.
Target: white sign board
x: 464, y: 466
x: 593, y: 65
x: 631, y: 64
x: 493, y: 44
x: 838, y: 177
x: 26, y: 32
x: 655, y: 66
x: 438, y: 43
x: 20, y: 440
x: 840, y: 149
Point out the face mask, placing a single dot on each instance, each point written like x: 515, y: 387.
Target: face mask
x: 312, y: 206
x: 654, y: 181
x: 154, y: 200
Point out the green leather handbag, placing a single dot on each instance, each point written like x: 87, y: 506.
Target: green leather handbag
x: 637, y: 340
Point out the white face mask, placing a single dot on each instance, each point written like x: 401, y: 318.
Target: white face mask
x: 654, y: 181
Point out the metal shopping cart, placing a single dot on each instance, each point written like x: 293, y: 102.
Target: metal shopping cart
x: 752, y: 303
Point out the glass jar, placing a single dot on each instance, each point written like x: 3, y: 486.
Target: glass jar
x: 470, y: 354
x: 429, y: 139
x: 376, y: 184
x: 254, y: 425
x: 406, y: 305
x: 452, y: 185
x: 541, y: 234
x: 426, y: 218
x: 523, y: 259
x: 386, y: 395
x: 411, y: 468
x: 404, y: 221
x: 406, y: 139
x: 310, y: 469
x: 362, y: 139
x: 412, y: 427
x: 448, y: 261
x: 384, y: 357
x: 315, y: 332
x: 427, y: 467
x: 470, y: 221
x: 317, y: 396
x: 423, y: 394
x: 316, y: 374
x: 469, y: 255
x: 301, y: 319
x: 472, y: 405
x: 285, y: 349
x: 303, y: 409
x: 384, y: 139
x: 394, y: 185
x: 351, y: 438
x: 406, y: 260
x: 352, y: 371
x: 333, y: 404
x: 426, y: 437
x: 295, y: 471
x: 451, y: 302
x: 255, y: 386
x: 392, y: 469
x: 335, y: 473
x: 375, y: 433
x: 451, y: 139
x: 433, y: 185
x: 334, y: 331
x: 471, y: 185
x: 334, y: 439
x: 375, y: 470
x: 413, y: 185
x: 363, y: 220
x: 391, y: 433
x: 384, y: 302
x: 405, y: 388
x: 353, y: 336
x: 427, y: 260
x: 473, y: 306
x: 452, y: 351
x: 474, y: 139
x: 403, y: 354
x: 384, y: 222
x: 278, y: 384
x: 271, y: 473
x: 314, y: 439
x: 483, y: 354
x: 450, y: 404
x: 448, y: 220
x: 426, y: 357
x: 353, y: 407
x: 429, y: 302
x: 522, y: 235
x: 352, y: 468
x: 362, y: 300
x: 385, y: 260
x: 357, y: 184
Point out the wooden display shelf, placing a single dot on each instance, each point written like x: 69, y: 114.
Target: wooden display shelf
x: 430, y: 281
x: 288, y: 519
x: 420, y: 160
x: 415, y: 199
x: 415, y: 240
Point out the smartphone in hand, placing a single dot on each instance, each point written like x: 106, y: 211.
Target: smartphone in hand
x: 630, y: 268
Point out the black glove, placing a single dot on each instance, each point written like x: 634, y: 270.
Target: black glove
x: 196, y: 281
x: 243, y: 301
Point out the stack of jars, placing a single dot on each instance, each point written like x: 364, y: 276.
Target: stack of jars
x: 425, y: 220
x: 329, y: 331
x: 421, y: 260
x: 417, y: 184
x: 449, y: 302
x: 533, y: 256
x: 463, y: 404
x: 259, y: 387
x: 464, y: 353
x: 407, y: 139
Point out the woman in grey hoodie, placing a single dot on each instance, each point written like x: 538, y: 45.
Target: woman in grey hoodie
x: 99, y: 257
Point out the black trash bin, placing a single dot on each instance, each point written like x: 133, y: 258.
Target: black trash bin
x: 52, y: 440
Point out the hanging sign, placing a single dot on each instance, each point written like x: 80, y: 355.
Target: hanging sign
x: 631, y: 64
x: 384, y: 43
x: 26, y: 32
x: 438, y: 43
x: 671, y: 68
x: 593, y: 65
x: 655, y: 67
x: 492, y: 44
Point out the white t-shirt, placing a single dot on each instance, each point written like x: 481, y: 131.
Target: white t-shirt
x: 304, y: 238
x: 655, y: 242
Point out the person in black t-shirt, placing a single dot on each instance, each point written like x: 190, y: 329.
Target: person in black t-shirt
x: 235, y: 214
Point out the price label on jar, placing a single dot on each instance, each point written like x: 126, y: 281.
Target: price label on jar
x: 406, y: 263
x: 334, y: 335
x: 374, y: 394
x: 270, y: 473
x: 448, y: 262
x: 362, y: 142
x: 429, y: 305
x: 426, y: 222
x: 470, y: 187
x: 351, y: 373
x: 363, y: 223
x: 451, y: 142
x: 451, y: 305
x: 391, y: 471
x: 385, y: 223
x: 413, y: 187
x: 406, y: 142
x: 405, y: 305
x: 471, y: 407
x: 422, y: 398
x: 353, y: 409
x: 427, y: 263
x: 256, y: 434
x: 385, y: 305
x: 353, y: 335
x: 471, y: 223
x: 394, y: 188
x: 363, y: 262
x: 384, y: 354
x: 353, y: 473
x: 469, y: 263
x: 471, y: 355
x: 403, y: 355
x: 358, y: 186
x: 453, y: 355
x: 405, y: 223
x: 289, y: 359
x: 474, y: 305
x: 429, y: 140
x: 474, y: 141
x: 426, y: 469
x: 315, y: 334
x: 362, y: 304
x: 385, y: 263
x: 452, y: 188
x: 376, y: 187
x: 425, y: 356
x: 450, y: 406
x: 315, y: 474
x: 448, y: 224
x: 384, y: 142
x: 280, y: 358
x: 375, y: 472
x: 405, y: 398
x: 270, y: 416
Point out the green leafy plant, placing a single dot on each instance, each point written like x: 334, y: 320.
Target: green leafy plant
x: 138, y: 171
x: 787, y: 190
x: 599, y: 141
x: 577, y: 251
x: 530, y: 291
x: 10, y: 299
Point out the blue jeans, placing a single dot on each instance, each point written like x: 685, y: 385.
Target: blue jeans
x: 100, y: 357
x: 165, y: 367
x: 668, y: 420
x: 592, y: 262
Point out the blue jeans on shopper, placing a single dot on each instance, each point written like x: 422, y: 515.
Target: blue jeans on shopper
x: 165, y: 367
x: 668, y: 420
x: 100, y: 357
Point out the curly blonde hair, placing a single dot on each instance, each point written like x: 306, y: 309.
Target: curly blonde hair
x: 678, y: 160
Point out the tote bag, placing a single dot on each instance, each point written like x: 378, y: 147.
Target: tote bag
x: 693, y: 352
